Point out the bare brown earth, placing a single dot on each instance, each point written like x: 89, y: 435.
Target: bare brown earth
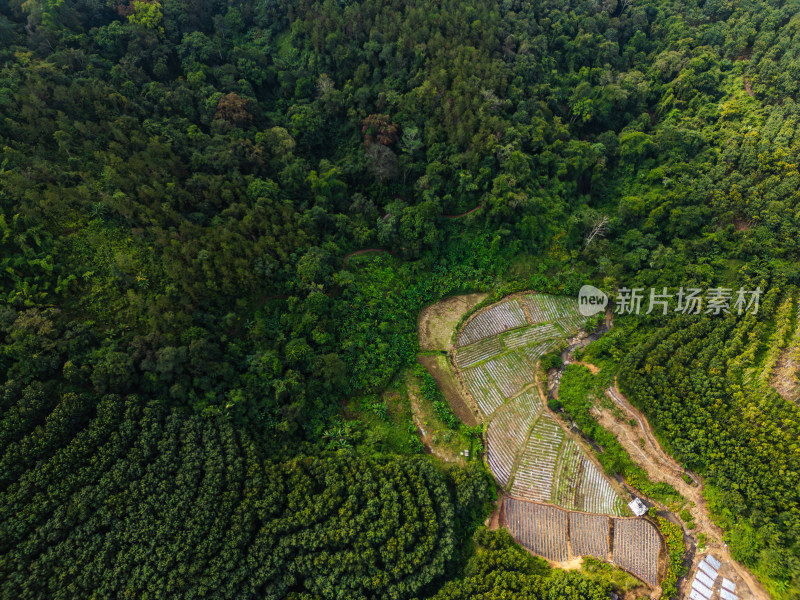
x: 747, y: 87
x: 645, y: 450
x: 438, y: 321
x: 439, y: 368
x: 784, y: 375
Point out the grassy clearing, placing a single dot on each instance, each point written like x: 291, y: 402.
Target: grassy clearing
x: 601, y: 571
x: 404, y: 419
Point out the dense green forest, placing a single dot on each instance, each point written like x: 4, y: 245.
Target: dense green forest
x: 182, y: 181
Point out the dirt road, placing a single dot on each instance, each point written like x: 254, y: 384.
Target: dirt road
x: 644, y: 449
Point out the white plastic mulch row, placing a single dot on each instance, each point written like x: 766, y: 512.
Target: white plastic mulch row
x: 567, y: 474
x: 479, y: 351
x: 530, y: 398
x: 510, y: 373
x: 597, y: 494
x: 572, y: 323
x: 726, y: 595
x: 533, y: 353
x: 530, y: 335
x: 496, y: 319
x: 543, y: 307
x: 507, y: 433
x: 480, y: 385
x: 534, y: 477
x: 728, y: 584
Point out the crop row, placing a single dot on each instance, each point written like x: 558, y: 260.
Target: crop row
x: 542, y: 529
x: 567, y: 475
x: 532, y: 353
x: 544, y: 308
x: 595, y: 493
x: 534, y: 476
x: 636, y: 548
x: 479, y: 351
x: 589, y: 535
x: 530, y: 335
x: 483, y: 389
x: 507, y: 433
x: 496, y: 319
x: 510, y: 372
x: 559, y: 535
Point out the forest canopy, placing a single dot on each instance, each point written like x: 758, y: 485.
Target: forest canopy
x: 183, y: 185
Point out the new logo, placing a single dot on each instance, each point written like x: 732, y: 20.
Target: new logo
x: 591, y: 301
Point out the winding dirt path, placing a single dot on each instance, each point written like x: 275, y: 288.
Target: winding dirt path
x: 646, y: 451
x: 364, y: 251
x: 469, y: 212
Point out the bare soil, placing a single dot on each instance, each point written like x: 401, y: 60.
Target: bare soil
x: 439, y: 368
x: 747, y: 87
x: 784, y: 375
x: 438, y: 321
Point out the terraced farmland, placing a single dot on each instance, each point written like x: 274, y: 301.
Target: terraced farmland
x: 567, y: 475
x: 541, y: 529
x: 636, y: 548
x: 479, y: 351
x: 560, y: 535
x: 496, y: 319
x: 532, y: 353
x: 595, y: 494
x: 561, y: 310
x: 589, y: 535
x: 508, y: 432
x: 526, y: 336
x: 496, y: 367
x: 483, y: 389
x: 511, y: 372
x: 531, y: 455
x: 534, y: 477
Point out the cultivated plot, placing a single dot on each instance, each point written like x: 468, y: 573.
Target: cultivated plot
x: 534, y: 477
x: 532, y: 353
x: 478, y: 352
x: 496, y: 356
x: 560, y: 535
x: 483, y: 389
x: 562, y: 310
x: 510, y: 372
x: 589, y: 535
x: 507, y: 433
x: 541, y: 529
x: 527, y: 336
x: 595, y: 494
x: 496, y: 319
x: 636, y: 548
